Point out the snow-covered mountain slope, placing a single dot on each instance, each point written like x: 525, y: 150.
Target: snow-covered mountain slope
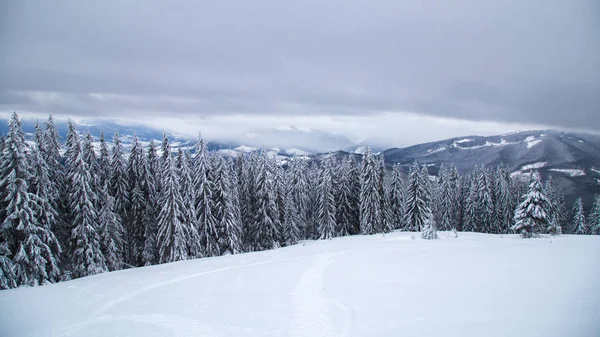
x: 571, y: 158
x: 473, y: 285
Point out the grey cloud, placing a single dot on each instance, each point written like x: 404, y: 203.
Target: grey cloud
x: 520, y: 62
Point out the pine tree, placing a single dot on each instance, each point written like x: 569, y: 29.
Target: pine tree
x: 354, y: 196
x: 504, y: 200
x: 245, y: 174
x: 231, y: 240
x: 45, y: 210
x: 397, y: 198
x: 448, y: 199
x: 151, y: 191
x: 418, y: 211
x: 266, y: 217
x: 291, y: 223
x: 204, y: 202
x: 370, y: 198
x: 553, y: 222
x: 531, y: 216
x: 118, y: 189
x: 579, y: 224
x: 485, y: 205
x: 344, y: 216
x: 50, y: 148
x: 594, y: 217
x: 28, y: 241
x: 104, y: 165
x: 87, y: 254
x: 327, y: 225
x: 300, y: 194
x: 187, y: 194
x: 387, y: 223
x: 137, y: 203
x: 173, y: 234
x: 8, y: 279
x: 470, y: 215
x: 110, y: 230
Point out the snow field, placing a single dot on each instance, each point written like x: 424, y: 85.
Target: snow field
x: 380, y: 285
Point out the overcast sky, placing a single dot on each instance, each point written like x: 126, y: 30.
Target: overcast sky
x: 396, y: 72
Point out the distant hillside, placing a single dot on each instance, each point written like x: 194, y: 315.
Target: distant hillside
x: 573, y: 159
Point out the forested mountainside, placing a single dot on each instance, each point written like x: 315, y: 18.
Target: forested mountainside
x: 87, y: 210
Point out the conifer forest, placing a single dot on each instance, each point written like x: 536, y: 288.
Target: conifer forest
x: 70, y: 208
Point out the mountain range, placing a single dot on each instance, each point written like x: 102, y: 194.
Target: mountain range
x: 572, y: 159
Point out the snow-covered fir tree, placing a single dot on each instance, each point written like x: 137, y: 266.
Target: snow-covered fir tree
x: 85, y: 240
x: 110, y: 230
x: 292, y: 231
x: 579, y: 225
x: 137, y: 203
x: 104, y: 165
x: 554, y: 227
x: 485, y: 205
x: 387, y: 223
x: 594, y: 218
x: 27, y: 239
x: 504, y: 200
x: 8, y: 278
x: 230, y: 221
x: 118, y: 189
x: 470, y: 212
x: 186, y: 184
x: 531, y: 215
x: 370, y: 197
x: 396, y: 196
x: 343, y: 189
x: 45, y: 210
x: 417, y: 200
x: 152, y: 195
x: 266, y: 217
x: 327, y: 207
x: 204, y: 201
x: 173, y: 234
x: 300, y: 194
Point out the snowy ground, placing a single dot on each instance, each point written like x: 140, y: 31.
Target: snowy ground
x: 475, y: 285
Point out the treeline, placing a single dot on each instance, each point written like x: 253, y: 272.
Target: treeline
x: 96, y: 208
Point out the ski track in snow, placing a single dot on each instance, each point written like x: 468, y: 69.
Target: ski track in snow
x: 169, y: 322
x: 311, y: 307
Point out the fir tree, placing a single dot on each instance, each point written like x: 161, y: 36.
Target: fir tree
x: 470, y: 215
x: 396, y: 197
x: 187, y: 194
x: 327, y: 225
x: 137, y: 203
x: 28, y: 241
x: 300, y: 194
x: 110, y: 230
x: 291, y: 222
x: 531, y: 216
x: 370, y: 198
x: 204, y: 202
x: 504, y: 200
x: 266, y: 217
x: 579, y: 224
x: 231, y: 240
x: 594, y: 217
x: 387, y: 223
x: 118, y: 189
x: 8, y: 279
x: 344, y: 216
x: 418, y: 208
x: 554, y: 227
x: 104, y: 164
x: 173, y: 234
x: 151, y: 190
x: 87, y: 254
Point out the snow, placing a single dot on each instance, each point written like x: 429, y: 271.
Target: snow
x: 531, y: 141
x: 246, y: 149
x: 466, y: 140
x: 430, y: 151
x: 379, y: 285
x: 360, y: 150
x: 570, y: 172
x: 502, y: 142
x: 297, y: 152
x: 595, y: 170
x: 534, y: 166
